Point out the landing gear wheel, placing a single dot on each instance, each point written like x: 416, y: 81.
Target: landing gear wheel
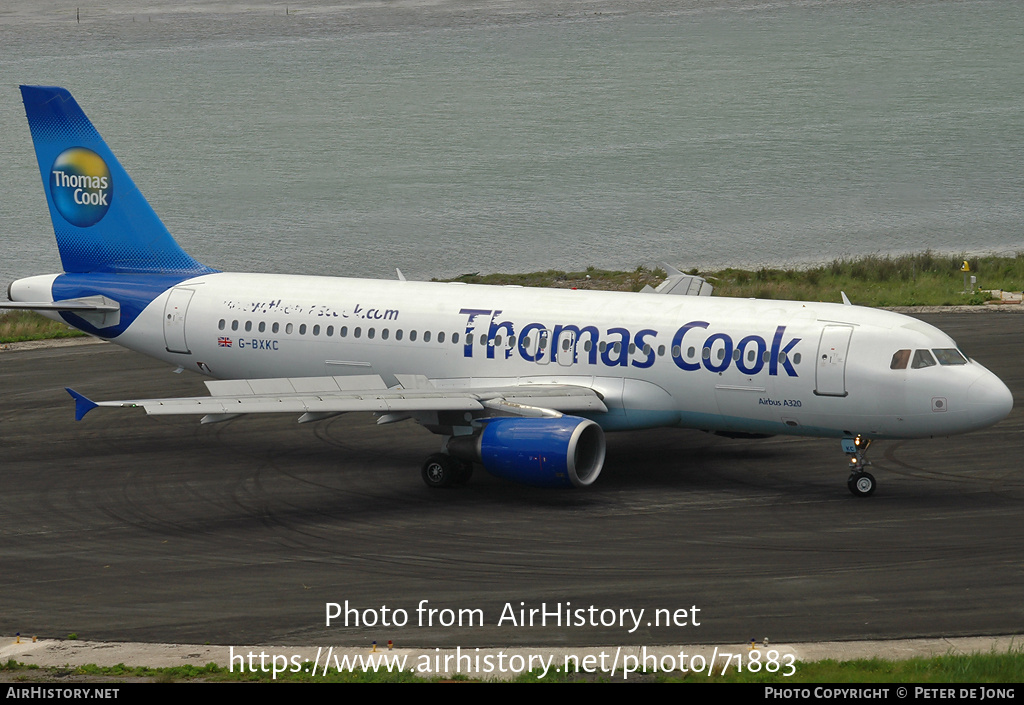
x: 440, y: 470
x: 861, y: 484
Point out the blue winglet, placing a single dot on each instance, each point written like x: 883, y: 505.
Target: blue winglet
x: 83, y: 405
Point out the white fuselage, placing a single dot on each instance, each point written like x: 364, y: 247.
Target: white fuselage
x: 714, y: 363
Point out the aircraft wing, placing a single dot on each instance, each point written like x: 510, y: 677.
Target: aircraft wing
x: 318, y: 397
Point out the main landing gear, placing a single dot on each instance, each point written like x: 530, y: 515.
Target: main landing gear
x: 443, y: 470
x: 861, y: 483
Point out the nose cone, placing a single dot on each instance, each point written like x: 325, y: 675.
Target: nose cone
x: 989, y: 400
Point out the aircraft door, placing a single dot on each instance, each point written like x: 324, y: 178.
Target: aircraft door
x: 566, y: 352
x: 174, y: 320
x: 543, y: 343
x: 830, y: 369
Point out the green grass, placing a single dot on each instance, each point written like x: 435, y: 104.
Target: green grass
x: 18, y: 326
x: 952, y: 668
x: 923, y: 279
x: 591, y: 278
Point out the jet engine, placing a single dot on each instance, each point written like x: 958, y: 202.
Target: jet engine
x: 544, y: 452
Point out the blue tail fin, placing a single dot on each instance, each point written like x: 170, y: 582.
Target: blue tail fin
x: 101, y: 220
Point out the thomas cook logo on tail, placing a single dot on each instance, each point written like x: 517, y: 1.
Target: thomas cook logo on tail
x: 81, y: 186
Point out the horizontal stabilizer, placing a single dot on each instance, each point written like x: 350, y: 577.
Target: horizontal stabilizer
x: 97, y: 310
x: 86, y: 303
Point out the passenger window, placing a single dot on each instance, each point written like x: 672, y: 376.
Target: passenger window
x: 221, y: 325
x: 330, y: 331
x: 316, y: 330
x: 796, y: 358
x: 288, y: 329
x: 234, y: 325
x: 426, y: 336
x: 440, y: 337
x: 412, y: 336
x: 356, y: 332
x: 276, y: 327
x: 922, y: 358
x: 469, y: 338
x: 384, y: 334
x: 661, y: 351
x: 370, y: 332
x: 706, y: 353
x: 302, y: 329
x: 497, y: 340
x: 455, y: 338
x: 263, y: 326
x: 398, y: 334
x: 900, y: 358
x: 691, y: 352
x: 949, y: 356
x: 343, y: 331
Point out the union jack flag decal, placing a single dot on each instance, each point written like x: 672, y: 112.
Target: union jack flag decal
x: 224, y: 342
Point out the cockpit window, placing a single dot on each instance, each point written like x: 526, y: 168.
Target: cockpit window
x: 922, y: 358
x: 949, y: 356
x: 899, y: 360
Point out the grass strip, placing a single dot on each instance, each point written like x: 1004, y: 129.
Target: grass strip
x: 923, y: 279
x: 950, y: 668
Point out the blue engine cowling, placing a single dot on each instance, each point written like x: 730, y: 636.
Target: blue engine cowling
x: 544, y: 452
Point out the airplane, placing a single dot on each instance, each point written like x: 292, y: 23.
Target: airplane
x: 522, y: 381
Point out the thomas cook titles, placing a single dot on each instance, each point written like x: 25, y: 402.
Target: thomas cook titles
x: 82, y: 182
x: 81, y: 186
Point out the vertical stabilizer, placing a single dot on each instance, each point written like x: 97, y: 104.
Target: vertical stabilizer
x: 102, y: 222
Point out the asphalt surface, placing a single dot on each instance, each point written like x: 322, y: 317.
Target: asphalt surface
x: 125, y: 527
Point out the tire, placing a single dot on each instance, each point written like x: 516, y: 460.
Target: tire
x: 440, y: 470
x: 861, y: 484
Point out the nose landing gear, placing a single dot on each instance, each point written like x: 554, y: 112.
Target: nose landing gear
x: 861, y: 483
